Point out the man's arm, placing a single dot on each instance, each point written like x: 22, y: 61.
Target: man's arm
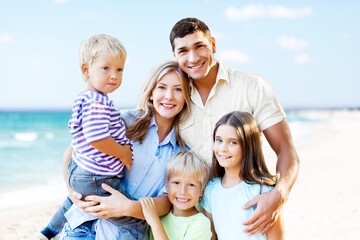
x: 287, y: 166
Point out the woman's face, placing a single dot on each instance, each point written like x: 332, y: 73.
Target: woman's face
x: 167, y: 97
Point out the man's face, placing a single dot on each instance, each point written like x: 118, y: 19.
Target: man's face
x: 195, y: 54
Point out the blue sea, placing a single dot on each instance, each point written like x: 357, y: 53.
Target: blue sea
x: 32, y: 144
x: 31, y: 147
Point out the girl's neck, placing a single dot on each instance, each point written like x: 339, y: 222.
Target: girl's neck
x: 230, y: 179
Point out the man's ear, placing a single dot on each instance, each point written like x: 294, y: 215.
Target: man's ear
x: 213, y: 44
x: 85, y: 69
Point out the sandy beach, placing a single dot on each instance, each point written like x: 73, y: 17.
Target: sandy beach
x: 324, y: 202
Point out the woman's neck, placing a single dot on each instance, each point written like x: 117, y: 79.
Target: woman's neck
x: 164, y: 127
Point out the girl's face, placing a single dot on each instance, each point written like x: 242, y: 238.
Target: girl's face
x: 105, y: 73
x: 227, y: 147
x: 167, y: 97
x: 184, y: 192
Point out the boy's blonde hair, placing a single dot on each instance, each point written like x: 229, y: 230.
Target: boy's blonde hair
x: 186, y: 162
x: 96, y: 44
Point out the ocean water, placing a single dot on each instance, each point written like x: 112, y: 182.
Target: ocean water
x: 31, y: 148
x: 32, y: 144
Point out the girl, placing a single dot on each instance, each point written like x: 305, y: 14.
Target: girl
x: 153, y: 130
x: 240, y: 173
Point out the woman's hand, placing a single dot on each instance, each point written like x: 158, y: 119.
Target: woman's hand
x: 115, y: 205
x: 80, y: 203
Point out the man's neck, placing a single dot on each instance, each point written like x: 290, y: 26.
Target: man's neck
x: 205, y: 85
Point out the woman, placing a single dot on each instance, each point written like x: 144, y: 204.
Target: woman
x: 153, y: 130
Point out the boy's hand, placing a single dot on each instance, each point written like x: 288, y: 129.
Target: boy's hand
x: 149, y: 210
x: 127, y: 159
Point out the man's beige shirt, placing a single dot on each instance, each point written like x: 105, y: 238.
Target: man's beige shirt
x: 233, y: 91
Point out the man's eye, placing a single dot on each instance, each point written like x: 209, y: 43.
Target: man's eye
x: 181, y: 52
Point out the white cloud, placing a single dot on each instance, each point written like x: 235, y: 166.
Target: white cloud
x: 302, y: 58
x: 6, y: 38
x: 61, y: 1
x: 234, y: 55
x: 287, y: 13
x: 292, y: 43
x: 261, y: 11
x: 247, y: 12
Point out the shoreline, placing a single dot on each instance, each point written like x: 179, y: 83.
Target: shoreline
x: 323, y: 204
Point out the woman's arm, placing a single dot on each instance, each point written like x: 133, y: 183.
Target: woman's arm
x: 117, y: 205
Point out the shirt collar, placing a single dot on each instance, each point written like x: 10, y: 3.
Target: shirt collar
x: 222, y: 75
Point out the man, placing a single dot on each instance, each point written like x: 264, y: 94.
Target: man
x: 217, y: 90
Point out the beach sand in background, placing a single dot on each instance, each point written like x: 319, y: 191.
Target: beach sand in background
x: 324, y: 202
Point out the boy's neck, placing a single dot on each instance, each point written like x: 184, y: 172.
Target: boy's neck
x: 184, y: 213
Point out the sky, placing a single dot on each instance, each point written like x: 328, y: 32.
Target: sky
x: 308, y: 51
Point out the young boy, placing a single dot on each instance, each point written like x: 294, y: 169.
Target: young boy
x: 100, y: 146
x: 186, y: 177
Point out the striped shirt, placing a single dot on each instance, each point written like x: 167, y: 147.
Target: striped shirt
x: 93, y: 118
